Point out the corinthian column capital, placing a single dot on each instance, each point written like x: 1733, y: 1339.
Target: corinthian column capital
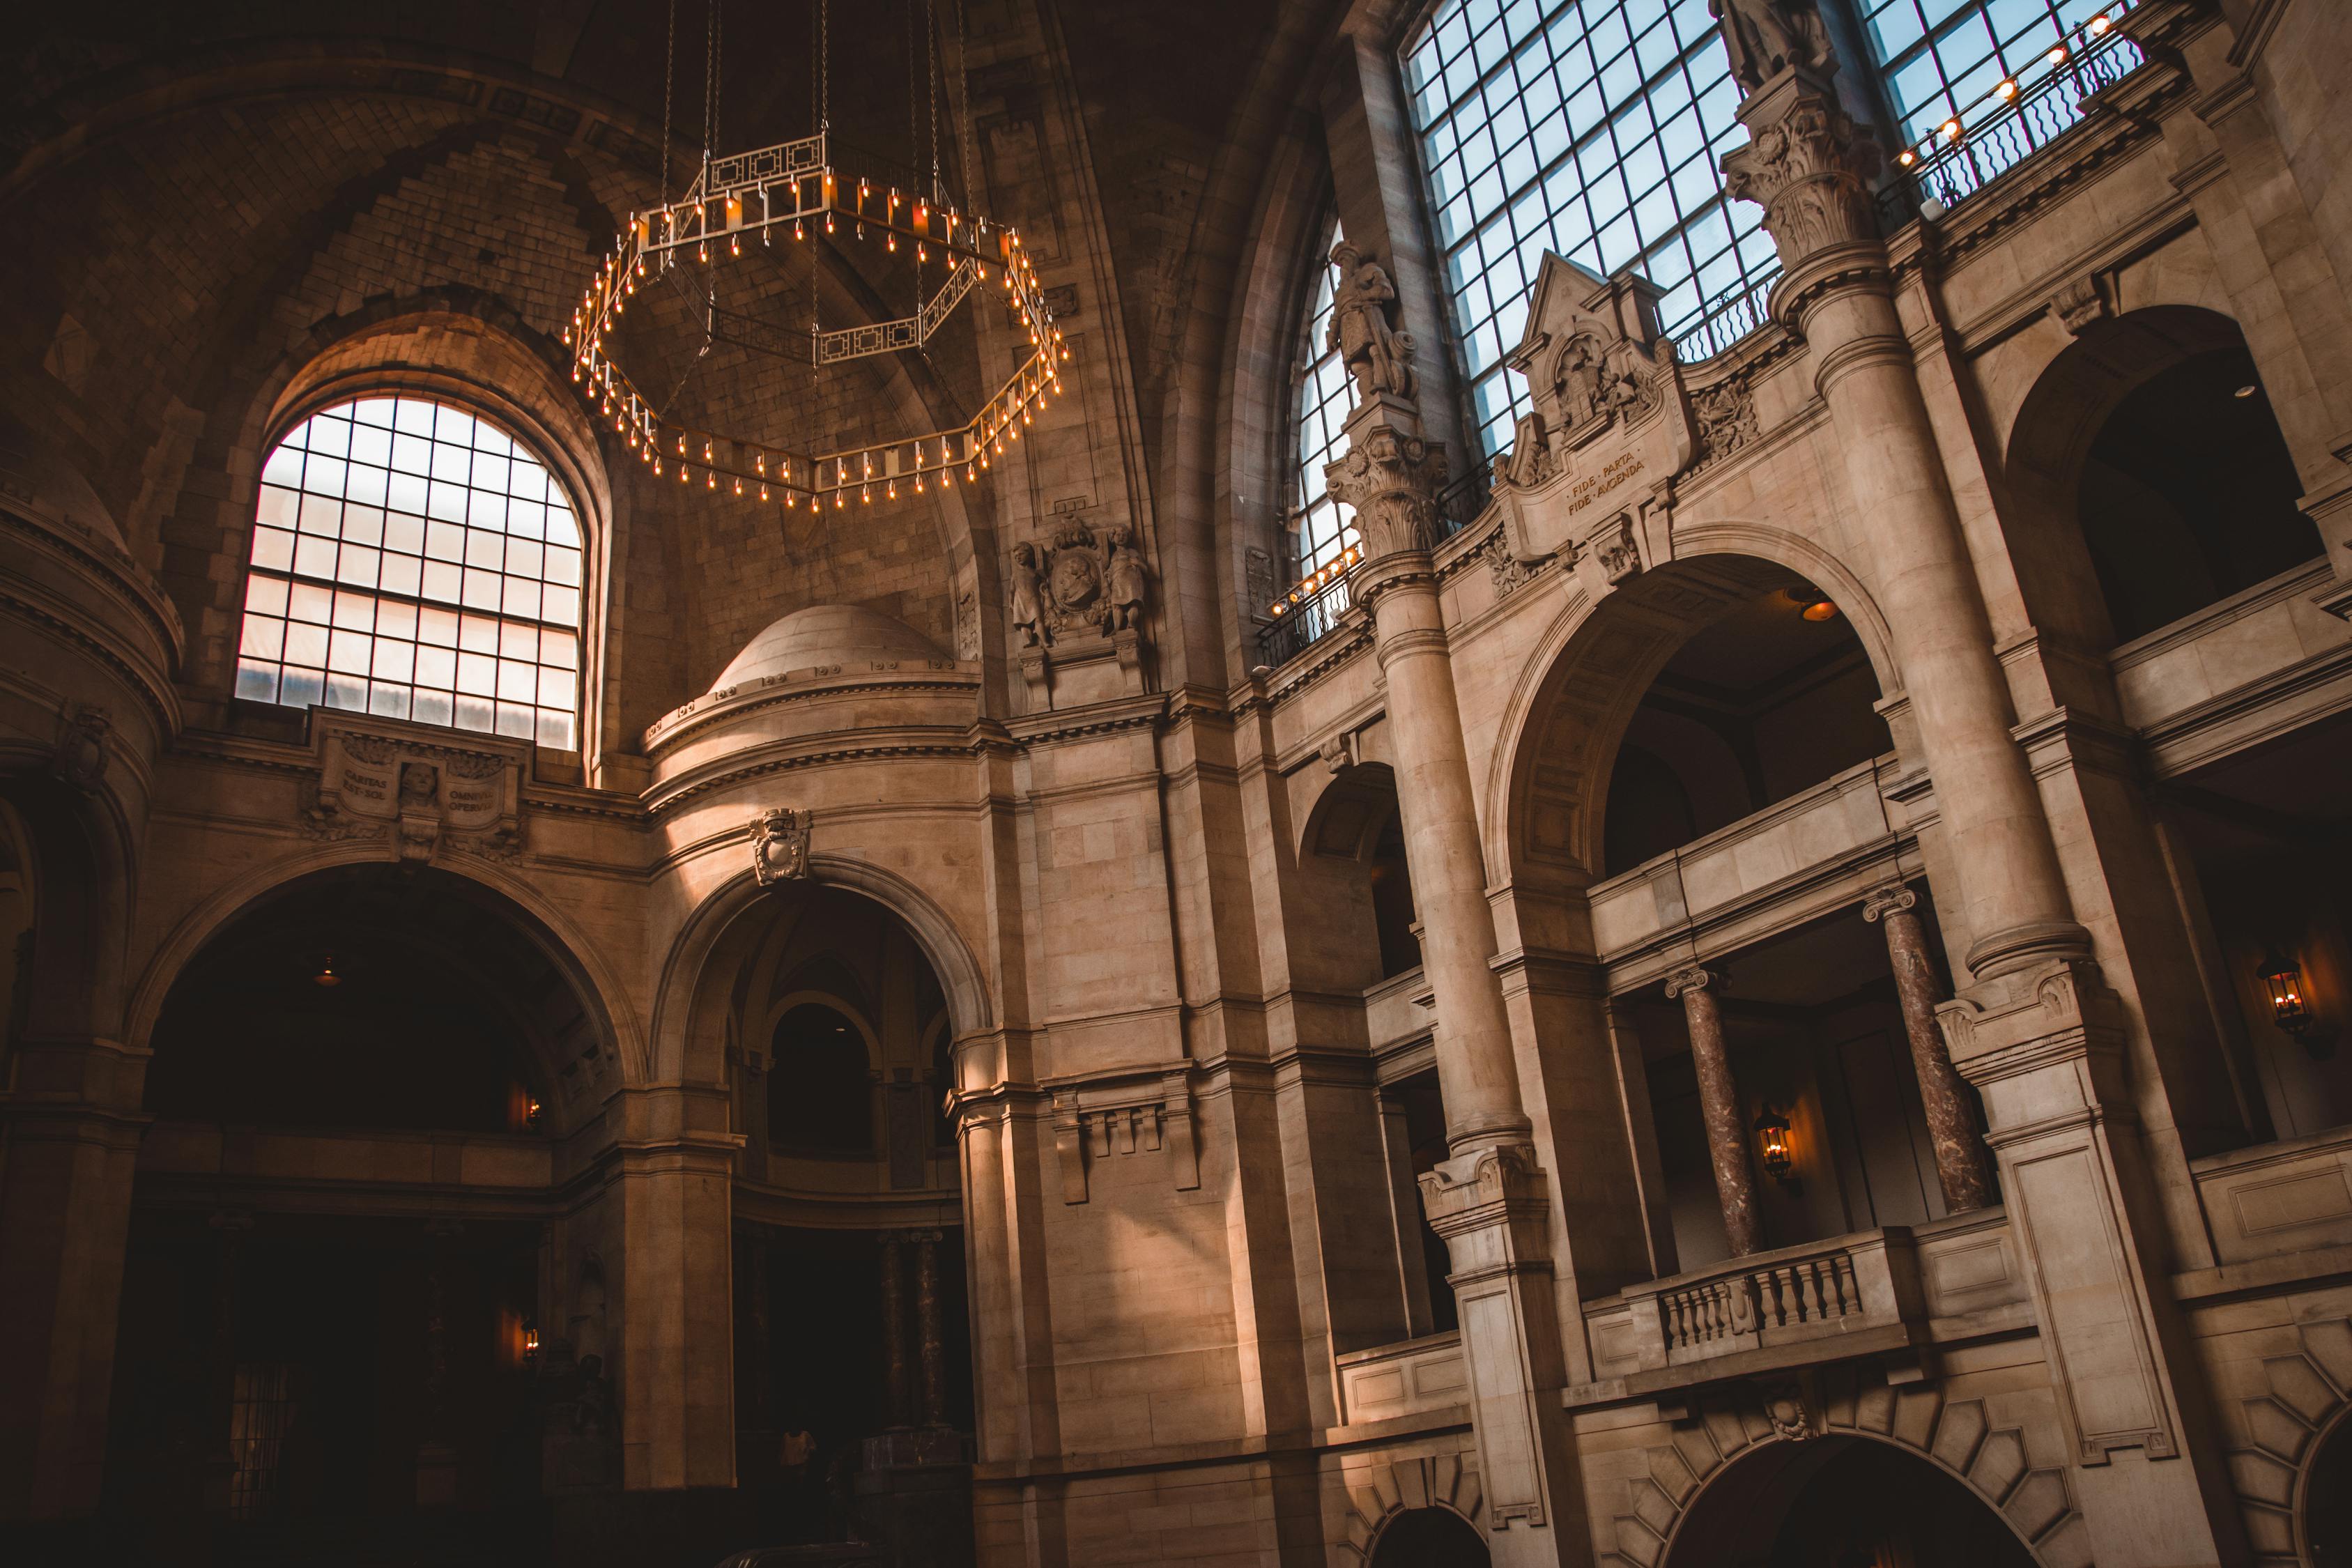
x: 1390, y: 475
x: 1808, y: 165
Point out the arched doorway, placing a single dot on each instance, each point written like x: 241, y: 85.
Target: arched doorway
x: 853, y: 1357
x: 333, y: 1291
x: 1428, y: 1538
x: 1842, y: 1503
x: 2150, y: 478
x: 2326, y: 1525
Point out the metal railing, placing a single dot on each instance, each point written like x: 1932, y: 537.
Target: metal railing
x: 1964, y: 156
x: 1299, y: 625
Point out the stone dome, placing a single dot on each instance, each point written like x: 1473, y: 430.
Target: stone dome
x: 821, y: 635
x: 36, y: 483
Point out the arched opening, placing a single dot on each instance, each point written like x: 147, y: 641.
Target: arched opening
x: 2151, y: 479
x: 1842, y: 1503
x: 1771, y: 697
x: 853, y: 1395
x: 369, y: 996
x: 1355, y: 853
x: 819, y: 1082
x: 2264, y: 849
x: 332, y: 1329
x: 1428, y: 1538
x: 2327, y: 1521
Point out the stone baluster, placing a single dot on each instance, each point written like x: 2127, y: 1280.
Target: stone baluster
x: 1963, y: 1164
x: 1719, y: 1101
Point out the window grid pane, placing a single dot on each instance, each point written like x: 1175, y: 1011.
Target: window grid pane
x: 1621, y: 173
x: 411, y: 560
x: 1940, y: 57
x: 1322, y: 527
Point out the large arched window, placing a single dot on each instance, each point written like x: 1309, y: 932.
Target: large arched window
x: 1320, y: 525
x: 411, y: 559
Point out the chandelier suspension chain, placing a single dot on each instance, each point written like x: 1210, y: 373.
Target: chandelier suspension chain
x: 669, y: 90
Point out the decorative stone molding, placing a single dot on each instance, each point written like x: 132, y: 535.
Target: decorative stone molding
x: 2307, y: 1392
x: 1726, y: 413
x: 382, y: 778
x: 1390, y: 475
x: 1510, y: 573
x: 81, y: 756
x: 1129, y: 1115
x: 1378, y: 1494
x: 1955, y: 1435
x: 1610, y: 422
x: 1808, y: 165
x: 780, y: 846
x: 1080, y: 601
x: 1342, y: 750
x: 2081, y: 302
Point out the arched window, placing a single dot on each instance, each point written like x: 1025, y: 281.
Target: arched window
x: 412, y: 559
x: 1320, y: 526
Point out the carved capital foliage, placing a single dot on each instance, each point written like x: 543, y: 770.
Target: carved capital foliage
x: 1391, y: 477
x: 1808, y: 167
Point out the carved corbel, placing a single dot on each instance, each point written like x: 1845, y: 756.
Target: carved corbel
x: 1183, y: 1150
x: 1343, y: 750
x: 1069, y: 1146
x: 2080, y: 303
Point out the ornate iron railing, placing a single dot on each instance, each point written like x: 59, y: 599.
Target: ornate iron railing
x: 1298, y: 626
x: 1999, y: 132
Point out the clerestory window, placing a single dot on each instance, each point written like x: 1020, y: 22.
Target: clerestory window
x: 412, y: 559
x: 1321, y: 527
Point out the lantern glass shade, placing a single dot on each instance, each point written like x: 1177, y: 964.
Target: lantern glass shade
x: 1772, y: 1142
x: 2282, y: 982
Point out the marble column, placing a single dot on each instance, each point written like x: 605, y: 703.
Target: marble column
x: 1719, y: 1104
x: 931, y: 1332
x: 894, y: 1330
x: 1963, y: 1164
x: 221, y: 1461
x: 2036, y: 1027
x: 1490, y: 1200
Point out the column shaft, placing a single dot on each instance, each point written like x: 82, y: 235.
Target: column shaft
x: 930, y: 1331
x: 1963, y: 1163
x: 1718, y: 1103
x: 893, y: 1332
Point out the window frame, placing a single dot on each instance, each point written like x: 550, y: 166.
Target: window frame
x: 1307, y: 366
x: 519, y: 424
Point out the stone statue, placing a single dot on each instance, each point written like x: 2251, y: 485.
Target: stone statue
x: 1126, y: 581
x: 592, y: 1409
x: 1577, y: 381
x: 1029, y: 608
x: 1362, y: 308
x: 1764, y: 37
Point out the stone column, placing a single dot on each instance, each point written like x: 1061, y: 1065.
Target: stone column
x: 751, y: 1336
x: 894, y: 1331
x: 1962, y: 1162
x: 1490, y: 1200
x: 1718, y: 1103
x: 931, y: 1332
x: 2036, y: 1028
x: 221, y: 1461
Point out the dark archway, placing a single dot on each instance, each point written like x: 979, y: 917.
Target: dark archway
x: 1354, y: 853
x: 1842, y: 1503
x: 374, y: 996
x: 2326, y: 1522
x: 819, y: 1082
x: 1429, y: 1538
x: 2148, y: 479
x: 1772, y: 696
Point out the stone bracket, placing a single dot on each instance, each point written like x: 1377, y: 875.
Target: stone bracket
x: 1121, y: 1116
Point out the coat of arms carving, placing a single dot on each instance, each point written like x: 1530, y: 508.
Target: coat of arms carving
x: 780, y: 841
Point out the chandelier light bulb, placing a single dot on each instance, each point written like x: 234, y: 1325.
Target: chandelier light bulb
x: 702, y: 250
x: 798, y: 232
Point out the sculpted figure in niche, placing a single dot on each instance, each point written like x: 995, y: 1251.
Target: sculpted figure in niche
x: 1029, y: 603
x: 416, y: 784
x: 1764, y: 37
x: 1074, y: 581
x: 1127, y: 582
x: 1363, y: 310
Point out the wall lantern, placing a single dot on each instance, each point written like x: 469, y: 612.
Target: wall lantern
x: 326, y: 975
x: 1772, y: 1144
x: 1820, y: 610
x: 529, y: 1340
x: 2282, y: 982
x: 531, y: 1112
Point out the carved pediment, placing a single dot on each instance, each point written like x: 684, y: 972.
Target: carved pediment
x: 1610, y: 419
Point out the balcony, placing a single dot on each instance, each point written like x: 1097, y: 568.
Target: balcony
x: 1892, y: 1293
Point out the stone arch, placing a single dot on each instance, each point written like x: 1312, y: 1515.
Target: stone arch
x: 2063, y: 413
x: 1577, y: 693
x: 1357, y: 888
x: 1958, y: 1436
x: 1378, y: 1494
x: 2307, y: 1395
x: 620, y: 1056
x: 684, y: 1047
